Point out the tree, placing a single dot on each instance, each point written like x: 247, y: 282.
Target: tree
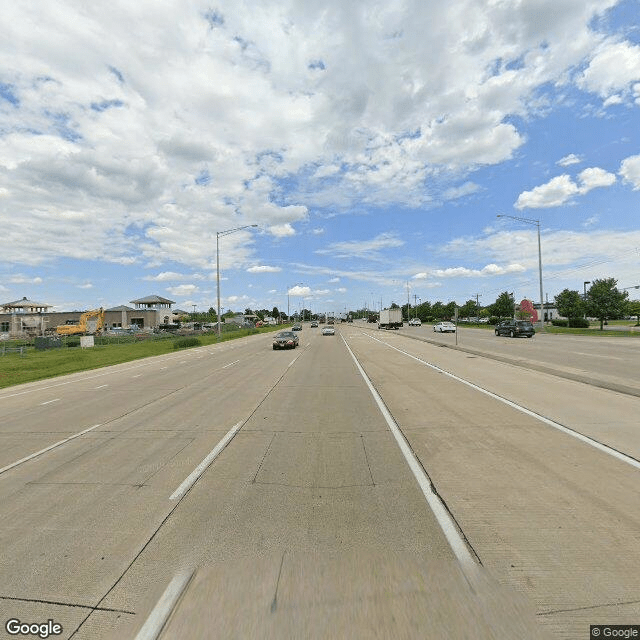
x: 437, y: 310
x: 275, y: 313
x: 504, y: 305
x: 605, y: 301
x: 394, y: 305
x: 633, y: 309
x: 468, y: 309
x: 570, y: 304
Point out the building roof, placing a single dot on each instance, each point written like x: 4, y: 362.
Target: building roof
x: 122, y: 307
x: 24, y: 303
x: 152, y: 300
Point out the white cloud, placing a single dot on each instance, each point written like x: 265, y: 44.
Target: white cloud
x: 263, y: 269
x: 86, y: 285
x: 368, y: 249
x: 282, y: 230
x: 299, y: 290
x: 593, y: 178
x: 572, y: 158
x: 333, y: 280
x: 183, y: 290
x: 19, y: 278
x: 168, y: 276
x: 317, y: 232
x: 613, y: 70
x: 459, y: 192
x: 466, y: 272
x: 554, y: 193
x: 630, y: 171
x: 341, y: 290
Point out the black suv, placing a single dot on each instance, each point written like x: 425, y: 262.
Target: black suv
x: 515, y: 328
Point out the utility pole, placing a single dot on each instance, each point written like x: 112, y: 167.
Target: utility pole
x: 408, y: 303
x: 478, y: 295
x: 415, y: 306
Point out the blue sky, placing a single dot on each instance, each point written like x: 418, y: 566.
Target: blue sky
x: 373, y: 143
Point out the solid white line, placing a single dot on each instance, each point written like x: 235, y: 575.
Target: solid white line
x: 446, y: 522
x: 137, y: 375
x: 50, y: 401
x: 161, y: 612
x: 230, y: 364
x: 556, y: 425
x: 53, y: 446
x: 102, y: 386
x: 202, y: 467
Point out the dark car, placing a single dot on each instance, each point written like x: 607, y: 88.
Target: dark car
x: 515, y: 328
x: 314, y: 325
x: 285, y: 340
x: 296, y: 327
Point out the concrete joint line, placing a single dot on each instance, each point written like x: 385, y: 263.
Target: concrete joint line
x: 452, y: 532
x: 623, y: 457
x: 157, y: 620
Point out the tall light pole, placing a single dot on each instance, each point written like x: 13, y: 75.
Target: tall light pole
x: 537, y: 224
x: 219, y: 234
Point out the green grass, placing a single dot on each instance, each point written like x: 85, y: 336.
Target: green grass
x: 38, y: 365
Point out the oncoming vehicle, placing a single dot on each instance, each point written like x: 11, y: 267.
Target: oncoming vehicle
x: 314, y: 325
x: 415, y: 322
x: 444, y: 327
x: 285, y: 340
x: 515, y: 328
x: 296, y: 327
x: 328, y: 331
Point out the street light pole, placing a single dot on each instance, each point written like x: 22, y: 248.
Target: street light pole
x: 537, y: 224
x: 219, y: 234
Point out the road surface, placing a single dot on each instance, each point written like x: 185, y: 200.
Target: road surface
x: 367, y: 484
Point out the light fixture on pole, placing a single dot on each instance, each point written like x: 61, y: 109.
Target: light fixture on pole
x: 219, y: 234
x: 537, y: 224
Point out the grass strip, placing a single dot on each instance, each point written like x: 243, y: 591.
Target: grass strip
x: 39, y: 365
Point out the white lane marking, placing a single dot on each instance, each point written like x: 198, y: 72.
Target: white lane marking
x: 446, y: 522
x: 595, y: 355
x: 556, y: 425
x: 191, y: 479
x: 161, y: 612
x: 50, y: 401
x: 137, y: 375
x: 163, y: 368
x: 102, y: 386
x: 231, y: 364
x: 53, y: 446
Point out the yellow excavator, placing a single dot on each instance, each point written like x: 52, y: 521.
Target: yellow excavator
x: 91, y: 322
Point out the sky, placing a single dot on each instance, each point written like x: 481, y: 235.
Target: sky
x: 373, y: 143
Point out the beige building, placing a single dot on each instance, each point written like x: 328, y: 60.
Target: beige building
x: 23, y: 318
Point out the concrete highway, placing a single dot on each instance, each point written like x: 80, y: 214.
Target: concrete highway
x: 368, y: 484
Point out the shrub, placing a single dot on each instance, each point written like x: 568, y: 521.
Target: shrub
x: 559, y: 323
x: 183, y: 343
x: 579, y: 323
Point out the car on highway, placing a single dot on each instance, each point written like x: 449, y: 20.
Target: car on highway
x: 515, y: 328
x: 415, y: 322
x: 296, y: 327
x: 285, y: 340
x: 328, y: 331
x: 444, y: 327
x: 314, y: 325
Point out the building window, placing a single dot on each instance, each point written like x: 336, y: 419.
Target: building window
x: 4, y: 326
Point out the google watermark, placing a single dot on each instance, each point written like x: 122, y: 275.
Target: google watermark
x: 46, y: 629
x: 614, y: 631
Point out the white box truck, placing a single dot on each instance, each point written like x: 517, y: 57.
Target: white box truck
x: 390, y: 319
